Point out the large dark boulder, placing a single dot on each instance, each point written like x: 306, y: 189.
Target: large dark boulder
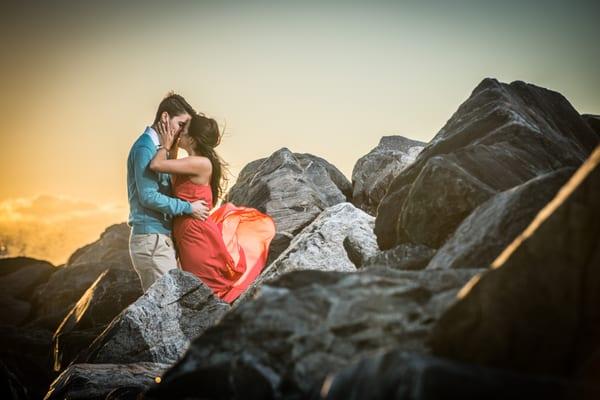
x: 593, y: 121
x: 399, y: 375
x: 25, y: 356
x: 53, y: 300
x: 502, y: 136
x: 98, y: 381
x: 114, y: 290
x: 306, y: 323
x: 292, y: 188
x: 159, y: 326
x: 538, y: 309
x: 373, y: 172
x: 482, y: 236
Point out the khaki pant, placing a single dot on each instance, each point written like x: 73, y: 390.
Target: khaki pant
x: 152, y: 255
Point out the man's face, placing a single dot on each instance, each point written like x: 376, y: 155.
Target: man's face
x: 181, y: 122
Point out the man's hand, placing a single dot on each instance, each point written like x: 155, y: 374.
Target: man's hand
x: 200, y: 210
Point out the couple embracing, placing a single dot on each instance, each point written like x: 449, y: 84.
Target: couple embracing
x: 173, y: 222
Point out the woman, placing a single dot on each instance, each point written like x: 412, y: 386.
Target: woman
x: 229, y: 249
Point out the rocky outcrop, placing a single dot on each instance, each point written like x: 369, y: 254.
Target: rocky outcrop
x: 499, y: 138
x: 292, y: 188
x: 373, y: 172
x: 306, y: 323
x: 99, y: 381
x: 482, y: 236
x: 24, y: 360
x: 537, y: 309
x: 399, y: 375
x: 337, y: 240
x: 160, y: 324
x: 112, y: 246
x: 403, y: 257
x: 114, y: 290
x: 19, y: 277
x: 53, y: 300
x: 593, y: 121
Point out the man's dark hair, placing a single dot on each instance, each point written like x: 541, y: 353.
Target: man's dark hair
x: 174, y: 105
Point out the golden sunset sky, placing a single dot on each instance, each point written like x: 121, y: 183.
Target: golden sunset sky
x: 81, y: 81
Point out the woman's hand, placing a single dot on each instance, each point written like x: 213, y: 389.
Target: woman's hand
x: 166, y: 133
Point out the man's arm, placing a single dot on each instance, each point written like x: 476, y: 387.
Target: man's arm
x: 147, y: 187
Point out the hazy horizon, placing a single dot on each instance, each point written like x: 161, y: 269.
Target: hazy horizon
x: 81, y: 82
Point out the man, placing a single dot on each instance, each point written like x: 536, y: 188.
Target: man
x: 151, y: 206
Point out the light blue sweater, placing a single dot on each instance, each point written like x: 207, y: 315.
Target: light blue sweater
x: 151, y: 206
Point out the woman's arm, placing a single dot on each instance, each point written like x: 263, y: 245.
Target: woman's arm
x: 185, y: 166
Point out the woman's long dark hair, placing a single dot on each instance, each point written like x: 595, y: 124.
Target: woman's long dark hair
x: 205, y: 131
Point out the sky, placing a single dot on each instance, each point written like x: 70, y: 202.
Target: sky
x: 80, y: 82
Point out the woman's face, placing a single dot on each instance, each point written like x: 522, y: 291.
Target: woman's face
x: 185, y: 140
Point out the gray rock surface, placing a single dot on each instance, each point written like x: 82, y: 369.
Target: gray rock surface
x: 537, y: 309
x: 292, y: 188
x: 403, y: 257
x: 338, y: 238
x: 114, y: 290
x: 482, y: 236
x: 53, y: 300
x: 96, y: 381
x: 399, y: 375
x: 160, y: 324
x: 307, y: 323
x: 373, y: 172
x: 502, y: 136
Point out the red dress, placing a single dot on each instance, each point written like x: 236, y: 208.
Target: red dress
x: 229, y: 249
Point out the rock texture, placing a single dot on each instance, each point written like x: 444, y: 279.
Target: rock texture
x: 338, y: 239
x: 160, y: 324
x: 307, y: 323
x: 97, y: 381
x: 114, y: 290
x: 19, y: 277
x: 501, y: 137
x: 292, y: 188
x: 593, y: 121
x: 482, y: 236
x: 537, y: 309
x: 53, y: 300
x: 373, y: 172
x: 403, y: 257
x: 399, y: 375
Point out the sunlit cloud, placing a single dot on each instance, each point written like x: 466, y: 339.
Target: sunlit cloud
x: 53, y: 227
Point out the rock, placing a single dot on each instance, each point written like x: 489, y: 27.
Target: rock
x: 593, y: 121
x: 483, y: 235
x: 292, y: 188
x: 502, y: 136
x: 113, y: 246
x: 114, y: 290
x: 25, y: 356
x: 399, y: 375
x: 14, y: 264
x: 13, y: 312
x: 306, y: 323
x: 53, y: 300
x: 403, y: 257
x: 373, y: 172
x: 160, y: 324
x: 20, y: 275
x: 537, y: 309
x: 320, y: 246
x: 97, y: 381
